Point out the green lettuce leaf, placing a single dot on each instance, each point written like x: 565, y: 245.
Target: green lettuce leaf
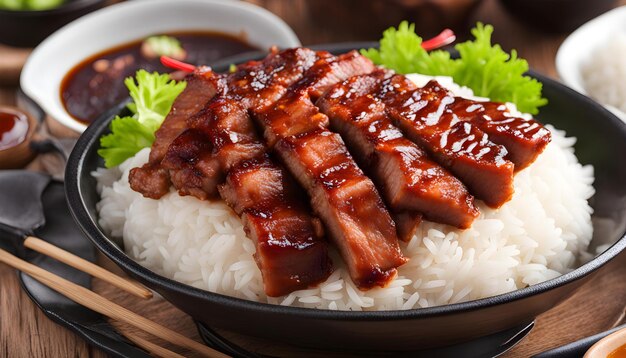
x: 485, y: 68
x: 401, y: 50
x: 127, y: 137
x: 153, y: 95
x: 491, y: 72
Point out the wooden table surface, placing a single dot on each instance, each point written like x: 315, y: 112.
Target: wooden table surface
x: 26, y: 332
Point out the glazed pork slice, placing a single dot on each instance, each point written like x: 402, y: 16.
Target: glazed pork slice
x: 328, y: 71
x: 348, y: 204
x: 425, y: 117
x: 221, y: 144
x: 524, y: 138
x: 408, y: 179
x: 218, y: 137
x: 295, y: 112
x: 152, y: 180
x: 290, y: 251
x: 257, y: 85
x: 345, y: 199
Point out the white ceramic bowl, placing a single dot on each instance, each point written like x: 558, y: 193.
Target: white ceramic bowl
x: 578, y: 48
x: 129, y: 21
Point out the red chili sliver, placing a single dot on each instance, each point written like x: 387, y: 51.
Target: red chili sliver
x: 177, y: 65
x: 446, y: 37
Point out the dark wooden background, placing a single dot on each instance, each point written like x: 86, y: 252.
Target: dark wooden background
x: 26, y: 332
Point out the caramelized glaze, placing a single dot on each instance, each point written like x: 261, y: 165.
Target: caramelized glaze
x: 409, y: 180
x: 424, y: 115
x: 410, y: 140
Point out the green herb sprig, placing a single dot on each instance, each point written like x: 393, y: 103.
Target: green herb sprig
x: 153, y: 95
x: 482, y: 66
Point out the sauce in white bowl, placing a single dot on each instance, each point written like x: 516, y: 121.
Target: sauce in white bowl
x: 120, y: 24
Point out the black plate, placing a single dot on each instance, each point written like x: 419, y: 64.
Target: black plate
x: 601, y: 142
x: 58, y: 228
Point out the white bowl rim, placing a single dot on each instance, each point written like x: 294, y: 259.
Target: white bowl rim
x: 51, y: 103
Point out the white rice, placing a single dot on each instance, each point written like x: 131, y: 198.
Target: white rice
x: 604, y: 74
x: 540, y: 234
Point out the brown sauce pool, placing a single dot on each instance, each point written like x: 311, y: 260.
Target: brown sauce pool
x: 13, y: 129
x: 97, y: 83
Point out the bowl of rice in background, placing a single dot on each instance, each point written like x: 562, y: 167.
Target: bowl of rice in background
x: 566, y: 220
x: 599, y: 71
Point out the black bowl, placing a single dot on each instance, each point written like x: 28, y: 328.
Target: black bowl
x: 601, y: 138
x: 29, y: 28
x: 557, y: 15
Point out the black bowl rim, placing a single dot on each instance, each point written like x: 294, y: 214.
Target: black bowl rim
x: 61, y: 9
x: 87, y: 224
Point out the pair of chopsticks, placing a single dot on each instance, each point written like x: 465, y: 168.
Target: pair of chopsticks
x: 100, y: 304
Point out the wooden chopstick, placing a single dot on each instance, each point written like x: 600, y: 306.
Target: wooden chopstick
x: 152, y: 348
x: 79, y: 263
x: 94, y: 301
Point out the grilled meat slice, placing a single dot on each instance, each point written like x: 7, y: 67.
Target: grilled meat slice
x: 292, y: 115
x: 202, y: 85
x: 259, y: 84
x: 220, y: 154
x: 523, y: 138
x: 289, y: 250
x: 348, y: 204
x: 425, y: 117
x: 192, y: 167
x: 408, y: 179
x: 295, y: 112
x: 407, y: 223
x: 152, y: 180
x: 342, y: 196
x: 219, y: 136
x: 328, y: 71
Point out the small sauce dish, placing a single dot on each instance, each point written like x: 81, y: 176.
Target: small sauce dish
x: 611, y: 346
x: 16, y: 132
